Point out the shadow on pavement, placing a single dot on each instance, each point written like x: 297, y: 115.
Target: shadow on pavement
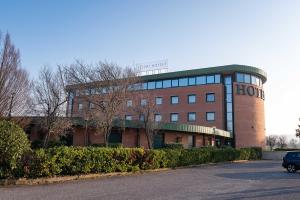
x: 255, y: 164
x: 260, y: 193
x: 273, y: 175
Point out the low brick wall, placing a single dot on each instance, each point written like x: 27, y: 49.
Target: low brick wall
x: 273, y: 155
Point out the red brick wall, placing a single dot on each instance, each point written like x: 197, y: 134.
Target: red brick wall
x: 200, y: 107
x: 249, y: 120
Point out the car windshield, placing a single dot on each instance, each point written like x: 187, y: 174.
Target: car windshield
x: 293, y: 154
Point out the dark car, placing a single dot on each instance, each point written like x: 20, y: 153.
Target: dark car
x: 291, y: 161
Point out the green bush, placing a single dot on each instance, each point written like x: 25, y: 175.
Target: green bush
x: 82, y: 160
x: 173, y: 146
x: 13, y: 145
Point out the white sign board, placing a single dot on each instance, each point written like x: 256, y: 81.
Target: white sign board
x: 154, y: 67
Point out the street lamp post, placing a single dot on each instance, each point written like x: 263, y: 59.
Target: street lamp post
x: 10, y: 105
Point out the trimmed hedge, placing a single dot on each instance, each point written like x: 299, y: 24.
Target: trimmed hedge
x: 59, y: 161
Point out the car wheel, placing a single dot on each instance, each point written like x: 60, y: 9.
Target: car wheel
x: 291, y: 168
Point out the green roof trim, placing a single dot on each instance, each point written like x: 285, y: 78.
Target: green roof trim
x: 187, y: 128
x: 226, y: 69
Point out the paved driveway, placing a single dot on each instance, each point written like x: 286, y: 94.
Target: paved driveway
x: 251, y: 180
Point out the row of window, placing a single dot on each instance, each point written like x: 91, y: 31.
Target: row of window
x: 210, y: 97
x: 247, y: 78
x: 181, y: 82
x: 150, y: 85
x: 174, y: 117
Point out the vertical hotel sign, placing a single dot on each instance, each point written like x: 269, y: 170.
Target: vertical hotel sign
x: 153, y: 67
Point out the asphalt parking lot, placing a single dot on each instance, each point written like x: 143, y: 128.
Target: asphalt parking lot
x: 250, y: 180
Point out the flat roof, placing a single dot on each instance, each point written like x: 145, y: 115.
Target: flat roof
x: 225, y: 69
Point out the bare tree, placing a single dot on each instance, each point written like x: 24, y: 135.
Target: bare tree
x: 293, y: 143
x: 14, y: 81
x: 106, y: 86
x: 298, y: 130
x: 149, y: 115
x: 49, y: 103
x: 271, y: 141
x: 282, y: 141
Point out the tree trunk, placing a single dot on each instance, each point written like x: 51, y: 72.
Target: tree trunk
x: 149, y: 140
x: 85, y: 135
x: 46, y: 139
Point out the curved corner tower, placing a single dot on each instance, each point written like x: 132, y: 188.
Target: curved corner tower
x: 248, y: 107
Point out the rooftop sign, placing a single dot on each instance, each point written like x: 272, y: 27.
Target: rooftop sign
x: 153, y: 67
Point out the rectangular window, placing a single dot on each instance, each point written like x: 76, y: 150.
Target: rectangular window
x: 210, y: 79
x: 80, y: 107
x: 191, y: 116
x: 229, y: 107
x: 137, y: 86
x: 247, y: 78
x: 229, y: 116
x: 93, y: 91
x: 229, y: 97
x: 192, y: 81
x: 158, y: 100
x: 157, y: 117
x: 151, y: 85
x: 87, y: 91
x: 217, y: 78
x: 240, y: 78
x: 210, y: 97
x: 210, y: 116
x: 183, y: 82
x: 129, y: 103
x: 158, y: 84
x: 174, y: 117
x: 167, y: 84
x: 174, y: 99
x: 229, y: 126
x: 175, y: 83
x: 228, y: 80
x: 228, y: 89
x: 143, y: 102
x: 128, y: 117
x: 145, y: 86
x: 104, y: 90
x: 253, y: 80
x: 142, y: 117
x: 201, y: 80
x: 191, y: 98
x: 91, y: 105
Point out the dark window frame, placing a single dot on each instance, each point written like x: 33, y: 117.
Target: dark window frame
x: 206, y: 116
x: 158, y: 98
x: 189, y: 98
x: 174, y: 114
x: 207, y: 95
x: 172, y: 98
x: 188, y: 116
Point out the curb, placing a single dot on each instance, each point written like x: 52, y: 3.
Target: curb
x: 62, y: 179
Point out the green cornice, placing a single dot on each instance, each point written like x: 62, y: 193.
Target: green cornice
x: 185, y: 128
x: 226, y: 69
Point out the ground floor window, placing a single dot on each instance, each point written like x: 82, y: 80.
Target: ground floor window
x: 115, y: 137
x: 158, y: 141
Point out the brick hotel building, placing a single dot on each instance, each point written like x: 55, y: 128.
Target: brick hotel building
x: 221, y: 105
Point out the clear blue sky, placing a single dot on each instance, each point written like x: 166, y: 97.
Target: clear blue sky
x: 190, y: 34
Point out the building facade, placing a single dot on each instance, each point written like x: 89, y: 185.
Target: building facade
x: 218, y: 105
